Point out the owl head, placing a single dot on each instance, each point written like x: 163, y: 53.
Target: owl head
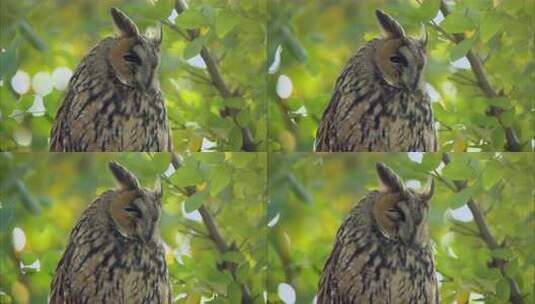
x: 399, y: 212
x: 135, y: 211
x: 399, y: 59
x: 133, y: 57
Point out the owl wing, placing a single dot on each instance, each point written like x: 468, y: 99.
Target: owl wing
x: 75, y: 275
x: 327, y: 289
x: 60, y: 134
x: 341, y: 281
x: 59, y: 290
x: 163, y: 130
x: 340, y: 128
x: 74, y: 122
x: 430, y: 136
x: 349, y: 122
x: 165, y: 289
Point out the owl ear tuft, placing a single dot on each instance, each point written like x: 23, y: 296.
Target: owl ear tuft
x: 427, y: 192
x: 390, y: 27
x: 423, y: 36
x: 126, y: 180
x: 154, y: 33
x: 159, y: 35
x: 124, y: 25
x: 158, y: 190
x: 390, y: 181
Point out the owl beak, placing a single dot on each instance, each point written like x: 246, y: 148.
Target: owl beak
x: 147, y: 236
x: 407, y: 239
x: 415, y: 80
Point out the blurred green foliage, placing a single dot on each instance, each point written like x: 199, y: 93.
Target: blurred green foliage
x: 311, y: 194
x: 318, y: 37
x: 41, y: 36
x: 42, y: 195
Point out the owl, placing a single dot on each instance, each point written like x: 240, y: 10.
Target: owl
x: 382, y: 253
x: 379, y: 102
x: 114, y: 253
x: 114, y: 102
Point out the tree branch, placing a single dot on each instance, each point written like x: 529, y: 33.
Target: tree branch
x: 513, y: 143
x: 219, y: 83
x: 486, y: 235
x: 213, y: 231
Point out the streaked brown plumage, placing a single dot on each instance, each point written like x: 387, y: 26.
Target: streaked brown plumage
x: 379, y: 102
x: 114, y: 102
x: 382, y: 253
x: 115, y: 254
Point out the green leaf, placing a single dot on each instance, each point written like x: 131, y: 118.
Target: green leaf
x: 210, y: 158
x: 457, y: 23
x: 235, y: 138
x: 243, y: 117
x: 242, y: 160
x: 491, y: 23
x: 234, y: 102
x: 233, y: 257
x: 508, y: 117
x: 190, y: 19
x: 498, y: 138
x: 28, y: 258
x: 478, y: 4
x: 293, y: 45
x: 194, y: 47
x: 458, y: 170
x: 5, y: 299
x: 27, y: 198
x: 159, y: 162
x: 32, y: 37
x: 234, y: 293
x: 9, y: 59
x: 242, y: 273
x: 459, y: 50
x: 428, y: 10
x: 50, y: 260
x: 224, y: 23
x: 460, y: 198
x: 187, y: 176
x: 502, y: 102
x: 208, y: 12
x: 512, y: 269
x: 502, y: 253
x: 299, y: 189
x: 491, y: 175
x: 195, y: 201
x: 430, y: 161
x: 220, y: 179
x: 502, y: 290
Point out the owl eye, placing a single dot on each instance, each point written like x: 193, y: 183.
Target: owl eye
x: 395, y: 214
x: 132, y: 57
x: 134, y: 211
x: 398, y: 59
